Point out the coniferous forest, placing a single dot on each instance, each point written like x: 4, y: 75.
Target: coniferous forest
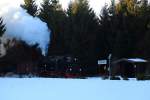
x: 121, y: 29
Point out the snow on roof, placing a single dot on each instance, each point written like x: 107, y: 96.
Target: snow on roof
x: 131, y: 60
x: 137, y: 60
x: 102, y: 62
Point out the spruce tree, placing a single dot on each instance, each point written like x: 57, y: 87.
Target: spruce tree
x: 104, y: 37
x: 2, y: 27
x: 82, y: 32
x: 30, y: 6
x: 2, y: 31
x: 52, y: 13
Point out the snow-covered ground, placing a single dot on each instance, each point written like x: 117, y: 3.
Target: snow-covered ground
x: 72, y: 89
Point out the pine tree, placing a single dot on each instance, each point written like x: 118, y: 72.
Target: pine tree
x: 52, y: 13
x: 2, y: 27
x: 104, y: 37
x: 2, y: 31
x: 82, y: 31
x: 30, y: 6
x: 131, y: 21
x: 143, y: 44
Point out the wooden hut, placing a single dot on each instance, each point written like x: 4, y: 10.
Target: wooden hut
x: 20, y: 59
x: 130, y: 67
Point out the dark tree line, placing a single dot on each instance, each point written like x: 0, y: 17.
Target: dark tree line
x: 73, y: 31
x: 122, y: 29
x: 126, y: 28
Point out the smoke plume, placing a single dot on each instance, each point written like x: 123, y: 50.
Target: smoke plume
x: 22, y: 26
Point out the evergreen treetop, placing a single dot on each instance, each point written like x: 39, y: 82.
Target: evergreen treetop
x: 2, y: 27
x: 30, y: 6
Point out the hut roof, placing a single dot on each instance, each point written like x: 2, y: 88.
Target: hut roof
x: 131, y: 60
x: 137, y: 60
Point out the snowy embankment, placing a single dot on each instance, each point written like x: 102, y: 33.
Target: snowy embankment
x: 72, y: 89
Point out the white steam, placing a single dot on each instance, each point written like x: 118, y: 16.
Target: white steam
x: 21, y: 25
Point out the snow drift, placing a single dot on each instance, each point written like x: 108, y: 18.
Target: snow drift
x: 21, y: 25
x: 72, y: 89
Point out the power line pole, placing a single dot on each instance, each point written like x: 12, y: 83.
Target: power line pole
x: 109, y: 65
x: 110, y: 55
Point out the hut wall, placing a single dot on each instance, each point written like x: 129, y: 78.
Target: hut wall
x: 27, y: 68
